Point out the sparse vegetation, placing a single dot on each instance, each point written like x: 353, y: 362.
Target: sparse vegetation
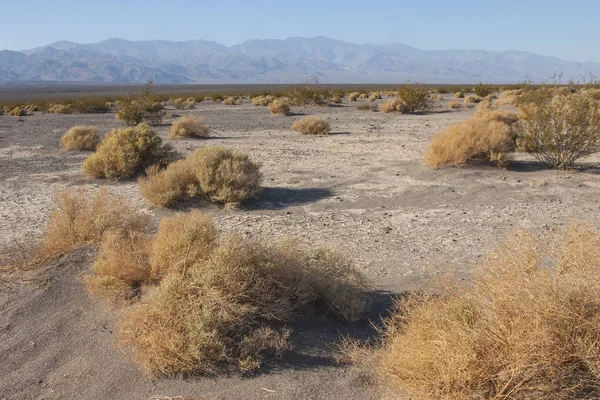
x: 367, y: 107
x: 17, y: 112
x: 415, y: 98
x: 80, y: 137
x: 526, y: 326
x: 482, y: 90
x: 454, y: 105
x: 231, y: 101
x: 262, y: 101
x: 353, y: 96
x: 311, y: 126
x: 215, y: 173
x: 485, y: 137
x: 123, y: 151
x: 279, y: 107
x: 560, y: 129
x: 459, y: 95
x: 60, y: 109
x: 309, y: 95
x: 394, y: 105
x: 437, y: 97
x: 189, y: 127
x: 225, y: 310
x: 142, y: 109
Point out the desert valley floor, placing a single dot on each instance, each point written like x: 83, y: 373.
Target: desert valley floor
x: 363, y: 190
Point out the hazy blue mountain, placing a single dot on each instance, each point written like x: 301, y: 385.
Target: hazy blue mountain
x: 275, y: 61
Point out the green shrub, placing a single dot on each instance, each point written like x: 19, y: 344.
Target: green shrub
x: 416, y: 99
x: 482, y: 90
x: 142, y: 109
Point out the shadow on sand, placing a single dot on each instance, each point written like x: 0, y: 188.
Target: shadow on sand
x: 277, y: 198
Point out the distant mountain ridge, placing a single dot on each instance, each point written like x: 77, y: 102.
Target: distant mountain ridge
x: 291, y: 60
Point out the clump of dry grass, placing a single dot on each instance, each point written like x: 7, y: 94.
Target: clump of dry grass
x: 487, y: 137
x: 454, y: 105
x: 311, y: 126
x: 60, y: 109
x: 367, y: 107
x: 459, y: 95
x: 121, y: 267
x: 375, y: 96
x: 353, y: 96
x: 189, y: 127
x: 437, y: 97
x: 231, y: 101
x: 123, y: 151
x: 527, y: 326
x: 79, y: 219
x: 226, y: 310
x: 215, y: 173
x: 509, y: 97
x: 182, y: 241
x: 262, y: 101
x: 363, y: 96
x: 470, y: 101
x: 394, y: 105
x: 279, y: 107
x: 17, y: 112
x: 80, y: 137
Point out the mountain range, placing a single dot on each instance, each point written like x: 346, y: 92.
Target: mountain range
x: 292, y: 60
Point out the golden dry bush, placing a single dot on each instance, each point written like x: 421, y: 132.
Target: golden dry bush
x: 17, y: 112
x: 459, y: 95
x: 80, y: 137
x: 80, y: 219
x: 226, y: 176
x: 182, y: 241
x: 394, y: 105
x: 363, y: 96
x: 231, y: 101
x: 374, y: 96
x: 215, y: 173
x: 60, y: 109
x: 123, y: 151
x: 311, y: 126
x: 336, y: 99
x: 367, y: 107
x: 229, y: 310
x: 470, y: 101
x: 262, y: 101
x: 121, y: 267
x: 526, y: 326
x: 189, y: 127
x: 279, y: 107
x: 488, y: 138
x: 437, y: 97
x: 162, y: 187
x: 509, y: 97
x: 454, y: 105
x: 353, y: 96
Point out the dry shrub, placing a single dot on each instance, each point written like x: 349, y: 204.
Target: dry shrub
x: 454, y: 105
x: 177, y: 103
x: 415, y: 98
x: 231, y: 101
x: 182, y: 241
x: 121, y: 267
x: 262, y: 100
x: 17, y: 112
x: 336, y: 99
x: 311, y: 126
x: 394, y: 105
x: 487, y: 137
x: 226, y: 311
x: 309, y: 95
x: 279, y: 107
x: 142, y: 109
x: 509, y: 97
x: 215, y: 173
x: 189, y: 127
x: 560, y: 129
x: 353, y: 96
x: 80, y: 137
x: 472, y: 100
x: 363, y: 96
x: 459, y: 95
x: 527, y: 326
x: 375, y: 96
x: 79, y: 219
x: 60, y: 109
x: 437, y: 97
x: 123, y: 151
x: 367, y: 107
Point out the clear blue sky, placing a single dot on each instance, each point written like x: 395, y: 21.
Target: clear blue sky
x: 565, y: 29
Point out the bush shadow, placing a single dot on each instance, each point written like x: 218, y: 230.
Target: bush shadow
x: 277, y: 198
x: 536, y: 166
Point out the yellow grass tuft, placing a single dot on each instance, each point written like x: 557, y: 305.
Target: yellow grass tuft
x: 231, y: 101
x: 279, y: 107
x: 189, y: 127
x: 311, y: 126
x: 80, y: 137
x: 527, y: 326
x: 394, y: 105
x: 454, y: 105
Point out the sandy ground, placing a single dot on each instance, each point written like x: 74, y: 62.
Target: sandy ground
x: 362, y: 189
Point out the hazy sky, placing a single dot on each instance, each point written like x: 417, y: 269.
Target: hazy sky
x: 565, y: 29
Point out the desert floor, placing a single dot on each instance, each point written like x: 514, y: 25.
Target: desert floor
x: 363, y: 190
